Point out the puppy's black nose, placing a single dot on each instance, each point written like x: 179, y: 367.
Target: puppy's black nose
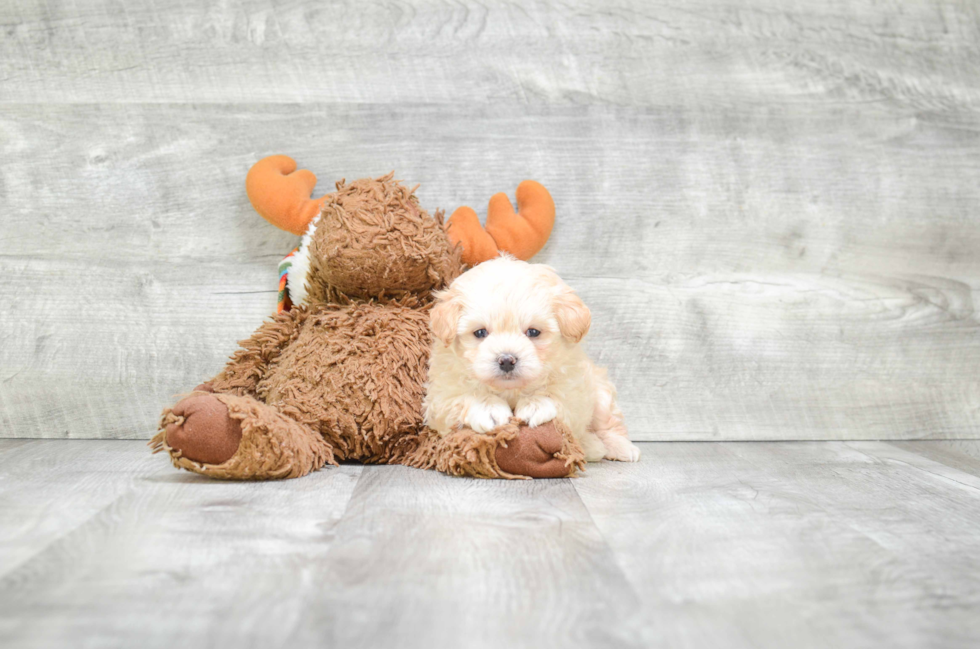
x: 507, y: 362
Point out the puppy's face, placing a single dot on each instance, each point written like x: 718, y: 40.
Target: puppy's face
x: 506, y: 319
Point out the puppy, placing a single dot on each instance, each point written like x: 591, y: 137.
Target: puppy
x: 506, y: 343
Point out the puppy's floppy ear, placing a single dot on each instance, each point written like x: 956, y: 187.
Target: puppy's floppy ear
x: 574, y: 318
x: 445, y: 315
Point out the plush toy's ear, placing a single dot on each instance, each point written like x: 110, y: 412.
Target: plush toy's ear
x: 281, y: 194
x: 445, y: 315
x: 574, y: 318
x: 522, y: 233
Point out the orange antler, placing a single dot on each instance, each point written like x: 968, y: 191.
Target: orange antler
x: 281, y: 194
x: 522, y: 233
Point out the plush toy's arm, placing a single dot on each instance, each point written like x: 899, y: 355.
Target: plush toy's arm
x: 522, y: 233
x: 281, y: 193
x: 511, y: 451
x: 250, y: 363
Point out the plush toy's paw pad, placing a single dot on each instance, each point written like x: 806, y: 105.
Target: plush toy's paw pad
x: 621, y: 449
x: 536, y: 411
x: 207, y: 434
x: 483, y: 419
x: 532, y: 453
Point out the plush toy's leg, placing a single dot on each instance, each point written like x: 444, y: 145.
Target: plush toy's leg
x: 238, y: 438
x: 512, y: 451
x: 545, y: 451
x: 250, y: 363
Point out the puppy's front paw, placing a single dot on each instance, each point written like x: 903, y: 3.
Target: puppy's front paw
x: 536, y: 411
x: 485, y: 417
x: 621, y: 449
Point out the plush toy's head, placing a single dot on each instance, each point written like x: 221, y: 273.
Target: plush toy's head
x: 371, y: 239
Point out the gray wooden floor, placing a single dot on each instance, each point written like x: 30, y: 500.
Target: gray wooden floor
x: 734, y: 544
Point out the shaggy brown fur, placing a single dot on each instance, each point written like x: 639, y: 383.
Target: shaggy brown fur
x: 374, y: 241
x: 342, y: 378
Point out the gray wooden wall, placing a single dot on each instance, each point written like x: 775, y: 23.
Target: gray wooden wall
x: 773, y: 207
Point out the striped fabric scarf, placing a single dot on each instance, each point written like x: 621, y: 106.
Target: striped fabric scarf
x: 284, y: 303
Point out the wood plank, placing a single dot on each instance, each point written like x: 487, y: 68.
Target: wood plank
x: 424, y: 560
x: 47, y: 490
x: 175, y: 559
x: 750, y: 277
x: 700, y: 544
x: 676, y: 192
x: 960, y: 454
x: 763, y: 53
x: 106, y: 346
x: 11, y: 444
x: 413, y: 558
x: 786, y: 356
x: 794, y: 544
x: 892, y: 453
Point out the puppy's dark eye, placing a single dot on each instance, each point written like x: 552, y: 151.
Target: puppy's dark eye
x: 481, y: 333
x: 532, y: 333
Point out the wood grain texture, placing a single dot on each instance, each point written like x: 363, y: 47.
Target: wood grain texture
x: 771, y: 209
x: 961, y: 454
x: 107, y: 343
x: 798, y: 544
x: 427, y: 560
x: 700, y: 52
x: 794, y: 544
x: 48, y: 491
x: 120, y: 549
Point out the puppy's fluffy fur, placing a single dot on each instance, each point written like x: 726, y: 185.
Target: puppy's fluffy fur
x: 487, y: 323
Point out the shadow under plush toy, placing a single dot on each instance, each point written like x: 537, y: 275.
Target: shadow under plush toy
x: 340, y: 375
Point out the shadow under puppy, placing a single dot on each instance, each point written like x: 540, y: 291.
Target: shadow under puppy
x: 506, y: 344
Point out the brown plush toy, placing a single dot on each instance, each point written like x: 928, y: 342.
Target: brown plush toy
x: 340, y: 376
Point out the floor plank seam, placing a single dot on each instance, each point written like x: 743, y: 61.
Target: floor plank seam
x: 930, y: 460
x: 60, y: 537
x: 605, y: 542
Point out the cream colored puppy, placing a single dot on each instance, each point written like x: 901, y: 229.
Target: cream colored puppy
x: 507, y: 344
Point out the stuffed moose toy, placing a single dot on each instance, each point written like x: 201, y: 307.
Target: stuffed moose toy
x: 340, y: 375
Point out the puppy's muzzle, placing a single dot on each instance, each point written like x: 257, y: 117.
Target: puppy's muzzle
x: 507, y: 363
